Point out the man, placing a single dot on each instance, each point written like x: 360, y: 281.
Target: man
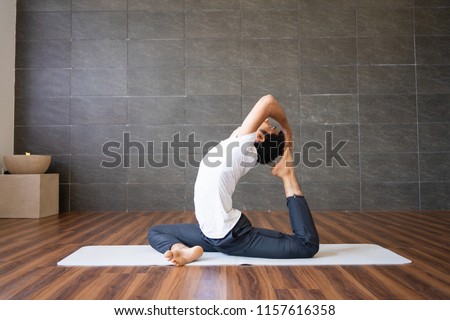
x: 221, y: 228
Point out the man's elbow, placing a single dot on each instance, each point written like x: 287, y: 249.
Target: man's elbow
x: 268, y: 101
x: 269, y: 98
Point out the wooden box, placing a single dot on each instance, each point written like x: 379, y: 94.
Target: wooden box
x: 29, y: 195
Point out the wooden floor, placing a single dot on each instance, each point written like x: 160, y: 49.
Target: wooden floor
x: 30, y: 249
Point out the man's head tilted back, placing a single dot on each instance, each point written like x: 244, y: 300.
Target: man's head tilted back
x: 269, y: 149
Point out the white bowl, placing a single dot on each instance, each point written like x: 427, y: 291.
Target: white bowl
x: 23, y: 164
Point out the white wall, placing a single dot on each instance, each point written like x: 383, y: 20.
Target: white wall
x: 7, y: 61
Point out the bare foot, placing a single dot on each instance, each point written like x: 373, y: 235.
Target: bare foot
x: 180, y: 254
x: 285, y: 166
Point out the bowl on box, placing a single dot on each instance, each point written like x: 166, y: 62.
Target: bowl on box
x: 27, y: 164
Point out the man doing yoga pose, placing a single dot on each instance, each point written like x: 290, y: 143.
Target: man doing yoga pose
x: 221, y: 228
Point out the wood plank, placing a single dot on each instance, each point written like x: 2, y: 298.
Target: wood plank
x: 244, y: 283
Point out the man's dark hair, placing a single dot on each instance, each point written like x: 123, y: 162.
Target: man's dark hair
x: 270, y: 148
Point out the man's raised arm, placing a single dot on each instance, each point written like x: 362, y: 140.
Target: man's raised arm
x: 266, y: 107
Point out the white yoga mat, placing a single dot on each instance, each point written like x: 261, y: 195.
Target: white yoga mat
x: 329, y: 254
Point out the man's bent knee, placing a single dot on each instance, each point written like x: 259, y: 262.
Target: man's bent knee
x: 153, y: 232
x: 312, y: 250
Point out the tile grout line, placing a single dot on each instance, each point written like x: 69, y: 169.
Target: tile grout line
x: 70, y: 113
x: 184, y: 101
x: 127, y: 184
x: 358, y: 112
x: 417, y: 108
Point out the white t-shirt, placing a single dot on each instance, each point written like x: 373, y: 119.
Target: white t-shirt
x: 218, y: 175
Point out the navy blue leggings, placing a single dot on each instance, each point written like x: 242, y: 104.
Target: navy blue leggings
x: 246, y: 240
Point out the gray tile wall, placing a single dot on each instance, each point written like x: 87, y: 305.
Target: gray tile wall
x: 374, y: 73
